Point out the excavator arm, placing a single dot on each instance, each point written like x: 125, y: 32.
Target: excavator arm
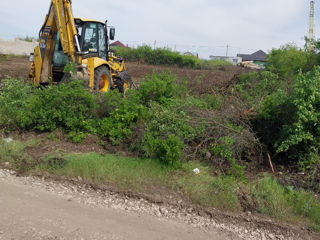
x: 58, y: 20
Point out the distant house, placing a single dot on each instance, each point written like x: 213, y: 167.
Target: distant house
x: 118, y: 44
x: 233, y: 60
x: 259, y: 58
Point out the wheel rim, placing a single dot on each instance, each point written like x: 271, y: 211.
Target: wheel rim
x: 104, y: 83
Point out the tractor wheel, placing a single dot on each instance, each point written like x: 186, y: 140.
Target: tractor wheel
x: 102, y: 80
x: 124, y: 82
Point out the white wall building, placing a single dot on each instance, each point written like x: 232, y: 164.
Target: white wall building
x: 233, y: 60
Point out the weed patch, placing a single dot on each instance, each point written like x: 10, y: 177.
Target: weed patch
x: 281, y: 202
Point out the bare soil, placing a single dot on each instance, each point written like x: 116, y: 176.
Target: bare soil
x: 15, y: 67
x: 199, y: 81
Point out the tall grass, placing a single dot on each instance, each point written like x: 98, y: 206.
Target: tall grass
x: 285, y: 203
x: 141, y: 174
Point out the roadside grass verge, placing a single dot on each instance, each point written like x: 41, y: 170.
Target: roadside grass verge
x: 140, y: 175
x: 285, y: 202
x: 147, y: 176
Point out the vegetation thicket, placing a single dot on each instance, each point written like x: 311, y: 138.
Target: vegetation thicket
x: 274, y: 111
x: 164, y: 56
x: 286, y: 97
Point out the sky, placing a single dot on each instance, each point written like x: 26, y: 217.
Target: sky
x: 203, y: 26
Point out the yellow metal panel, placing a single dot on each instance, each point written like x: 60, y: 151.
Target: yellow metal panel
x: 38, y: 65
x: 89, y: 20
x: 99, y: 62
x: 90, y: 68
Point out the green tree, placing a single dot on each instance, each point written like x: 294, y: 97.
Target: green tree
x: 288, y: 60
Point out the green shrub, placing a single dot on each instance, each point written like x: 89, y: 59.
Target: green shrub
x: 291, y: 121
x: 254, y: 87
x: 168, y: 150
x: 289, y: 60
x: 124, y: 114
x: 301, y: 137
x: 68, y: 106
x: 223, y: 149
x: 214, y: 102
x: 14, y: 96
x: 157, y: 88
x: 165, y: 133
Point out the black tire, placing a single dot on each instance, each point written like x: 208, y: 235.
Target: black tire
x: 101, y: 78
x: 124, y: 82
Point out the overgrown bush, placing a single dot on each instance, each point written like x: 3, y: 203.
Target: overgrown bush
x: 166, y: 133
x: 68, y: 106
x: 288, y: 60
x: 159, y: 120
x: 123, y: 115
x: 291, y: 122
x: 14, y: 97
x: 223, y: 149
x: 254, y: 87
x: 157, y: 88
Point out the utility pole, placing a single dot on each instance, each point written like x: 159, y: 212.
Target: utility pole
x: 227, y: 50
x: 311, y: 27
x: 154, y: 44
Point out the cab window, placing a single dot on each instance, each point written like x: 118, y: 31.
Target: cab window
x: 59, y: 57
x: 102, y: 42
x: 90, y: 41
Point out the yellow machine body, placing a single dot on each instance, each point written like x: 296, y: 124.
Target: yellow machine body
x: 84, y: 42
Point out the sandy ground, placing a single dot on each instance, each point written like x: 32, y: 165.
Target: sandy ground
x: 17, y: 47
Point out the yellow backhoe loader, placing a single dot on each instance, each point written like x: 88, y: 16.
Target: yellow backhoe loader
x: 83, y: 42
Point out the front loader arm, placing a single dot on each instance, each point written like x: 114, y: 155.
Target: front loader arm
x: 66, y: 27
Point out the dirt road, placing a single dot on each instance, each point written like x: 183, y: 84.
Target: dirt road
x: 31, y: 212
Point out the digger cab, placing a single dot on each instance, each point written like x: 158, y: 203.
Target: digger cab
x: 93, y: 41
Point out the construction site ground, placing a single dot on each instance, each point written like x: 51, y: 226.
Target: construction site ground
x: 221, y: 76
x: 50, y: 207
